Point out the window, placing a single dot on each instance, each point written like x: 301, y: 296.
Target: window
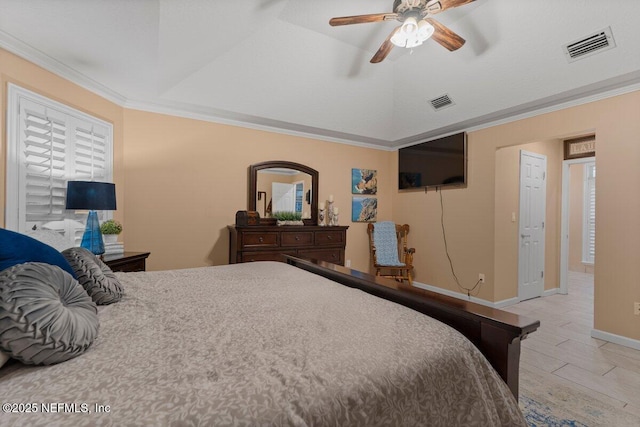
x: 48, y: 144
x: 299, y: 196
x: 589, y: 222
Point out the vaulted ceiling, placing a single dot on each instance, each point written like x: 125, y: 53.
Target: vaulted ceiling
x: 277, y: 64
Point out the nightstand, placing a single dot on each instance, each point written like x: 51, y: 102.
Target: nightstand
x: 127, y: 262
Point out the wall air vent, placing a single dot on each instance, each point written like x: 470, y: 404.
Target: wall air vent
x: 441, y: 102
x: 590, y: 45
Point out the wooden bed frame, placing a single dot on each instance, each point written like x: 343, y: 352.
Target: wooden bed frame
x: 495, y: 332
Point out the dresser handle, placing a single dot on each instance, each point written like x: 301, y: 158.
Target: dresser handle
x: 297, y: 237
x: 260, y: 239
x: 329, y: 237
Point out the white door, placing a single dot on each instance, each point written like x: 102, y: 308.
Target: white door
x: 533, y: 189
x: 284, y: 197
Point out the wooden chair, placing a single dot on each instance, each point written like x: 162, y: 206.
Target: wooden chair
x: 390, y: 256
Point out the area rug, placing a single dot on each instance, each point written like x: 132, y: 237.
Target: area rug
x: 555, y: 405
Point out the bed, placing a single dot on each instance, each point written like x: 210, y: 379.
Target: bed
x: 270, y: 343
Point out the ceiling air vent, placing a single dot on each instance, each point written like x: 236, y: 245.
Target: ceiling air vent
x: 441, y: 102
x: 590, y: 45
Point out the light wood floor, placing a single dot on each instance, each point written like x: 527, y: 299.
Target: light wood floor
x: 563, y: 351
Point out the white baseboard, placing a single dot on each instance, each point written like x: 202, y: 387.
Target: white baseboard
x: 595, y: 333
x: 498, y: 304
x: 460, y: 295
x: 616, y: 339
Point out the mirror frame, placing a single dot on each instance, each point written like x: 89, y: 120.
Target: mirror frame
x: 253, y: 186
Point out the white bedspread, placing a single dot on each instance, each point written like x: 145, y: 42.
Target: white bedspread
x: 262, y: 344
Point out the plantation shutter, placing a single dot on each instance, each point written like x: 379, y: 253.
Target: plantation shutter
x: 589, y: 245
x: 49, y: 144
x: 44, y: 156
x: 90, y: 154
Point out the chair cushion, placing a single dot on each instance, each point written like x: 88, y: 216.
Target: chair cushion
x: 95, y: 276
x: 386, y: 242
x: 46, y: 317
x: 18, y: 248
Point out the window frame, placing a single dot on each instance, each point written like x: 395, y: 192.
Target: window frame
x: 15, y: 214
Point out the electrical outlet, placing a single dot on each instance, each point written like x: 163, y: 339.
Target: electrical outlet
x: 347, y: 263
x: 636, y: 308
x: 481, y: 277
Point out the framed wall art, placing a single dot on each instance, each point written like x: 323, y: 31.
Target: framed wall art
x: 364, y: 181
x: 364, y: 209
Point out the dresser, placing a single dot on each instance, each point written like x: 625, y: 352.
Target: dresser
x: 269, y: 242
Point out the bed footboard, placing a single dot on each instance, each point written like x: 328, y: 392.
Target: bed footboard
x: 496, y: 333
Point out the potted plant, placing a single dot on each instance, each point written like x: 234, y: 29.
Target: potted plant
x: 110, y: 230
x: 288, y: 218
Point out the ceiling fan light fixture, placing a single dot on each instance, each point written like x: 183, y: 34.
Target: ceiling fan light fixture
x: 425, y: 30
x: 412, y: 33
x: 410, y: 26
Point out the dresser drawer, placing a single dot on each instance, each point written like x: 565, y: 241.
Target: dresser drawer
x: 265, y: 256
x: 249, y: 243
x: 335, y: 255
x: 260, y: 240
x: 297, y: 238
x: 326, y: 238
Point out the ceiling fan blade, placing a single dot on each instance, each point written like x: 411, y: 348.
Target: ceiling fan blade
x: 445, y: 36
x: 385, y: 48
x: 362, y: 19
x: 437, y: 6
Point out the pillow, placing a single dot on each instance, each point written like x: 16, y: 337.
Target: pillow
x: 45, y: 315
x: 4, y: 358
x: 51, y: 238
x: 95, y: 276
x: 16, y: 248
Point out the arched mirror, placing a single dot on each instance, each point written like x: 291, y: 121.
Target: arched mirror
x: 283, y: 186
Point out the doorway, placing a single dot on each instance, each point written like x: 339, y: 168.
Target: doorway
x: 533, y: 197
x: 578, y: 185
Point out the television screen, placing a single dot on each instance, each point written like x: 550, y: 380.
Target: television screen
x: 437, y: 163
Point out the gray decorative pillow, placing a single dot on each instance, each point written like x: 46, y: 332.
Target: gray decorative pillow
x: 95, y: 276
x: 45, y: 315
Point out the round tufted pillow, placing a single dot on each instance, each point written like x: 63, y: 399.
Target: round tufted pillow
x: 46, y: 317
x: 95, y: 276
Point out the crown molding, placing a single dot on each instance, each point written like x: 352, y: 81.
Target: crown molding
x: 257, y: 123
x: 602, y: 90
x: 25, y: 51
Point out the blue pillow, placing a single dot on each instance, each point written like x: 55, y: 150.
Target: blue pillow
x: 16, y: 248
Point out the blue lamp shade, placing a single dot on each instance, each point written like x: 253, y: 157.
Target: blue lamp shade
x: 92, y: 196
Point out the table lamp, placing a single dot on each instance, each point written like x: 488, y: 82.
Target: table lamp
x: 91, y: 195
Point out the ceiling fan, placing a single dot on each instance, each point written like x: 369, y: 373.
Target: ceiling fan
x: 417, y: 25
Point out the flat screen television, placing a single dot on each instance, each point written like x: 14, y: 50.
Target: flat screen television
x: 440, y: 162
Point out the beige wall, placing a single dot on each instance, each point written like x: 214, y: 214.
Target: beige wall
x: 474, y: 242
x: 179, y: 204
x: 180, y: 181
